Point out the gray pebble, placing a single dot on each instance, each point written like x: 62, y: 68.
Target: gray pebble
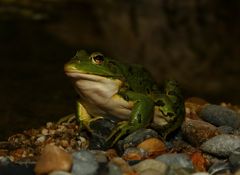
x: 219, y: 116
x: 84, y: 163
x: 234, y: 158
x: 221, y: 145
x: 225, y: 129
x: 100, y: 156
x: 150, y: 172
x: 180, y: 160
x: 220, y: 167
x: 150, y: 164
x: 114, y: 169
x: 136, y: 137
x: 59, y: 173
x: 201, y: 173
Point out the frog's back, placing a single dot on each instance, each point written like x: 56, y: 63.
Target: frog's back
x: 139, y: 79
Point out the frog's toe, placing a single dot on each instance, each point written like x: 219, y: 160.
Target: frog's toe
x: 67, y: 119
x: 122, y: 129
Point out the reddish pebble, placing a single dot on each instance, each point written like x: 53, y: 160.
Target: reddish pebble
x: 197, y: 131
x: 198, y: 161
x: 153, y: 147
x: 53, y: 159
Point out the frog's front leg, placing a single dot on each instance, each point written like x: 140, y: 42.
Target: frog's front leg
x: 141, y: 116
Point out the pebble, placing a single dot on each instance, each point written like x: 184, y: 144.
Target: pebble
x: 221, y: 145
x: 135, y: 138
x: 133, y: 153
x: 176, y: 160
x: 234, y: 158
x: 150, y: 164
x: 122, y: 164
x: 220, y: 167
x: 220, y: 116
x: 100, y: 156
x: 201, y: 173
x: 59, y: 173
x: 226, y: 129
x: 51, y: 159
x: 84, y: 163
x: 114, y: 169
x: 152, y: 146
x: 196, y: 131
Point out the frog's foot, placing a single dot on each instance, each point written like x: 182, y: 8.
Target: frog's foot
x: 67, y: 119
x: 87, y: 123
x: 122, y: 129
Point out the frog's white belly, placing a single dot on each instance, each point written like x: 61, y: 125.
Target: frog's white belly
x: 99, y: 95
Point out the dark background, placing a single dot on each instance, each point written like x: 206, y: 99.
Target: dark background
x: 195, y: 42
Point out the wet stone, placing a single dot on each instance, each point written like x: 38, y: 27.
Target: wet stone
x: 225, y: 129
x: 152, y: 147
x: 220, y: 116
x: 52, y: 159
x: 220, y: 167
x: 59, y: 173
x: 180, y: 160
x: 221, y: 145
x: 133, y: 154
x: 135, y: 138
x: 84, y: 163
x: 150, y: 164
x: 114, y: 169
x: 196, y: 131
x: 234, y: 158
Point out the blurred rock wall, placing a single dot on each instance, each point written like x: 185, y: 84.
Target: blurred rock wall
x: 195, y: 42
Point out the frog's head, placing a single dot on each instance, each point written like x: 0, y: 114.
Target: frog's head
x: 94, y: 64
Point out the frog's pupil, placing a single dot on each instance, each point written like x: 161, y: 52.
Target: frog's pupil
x: 99, y: 58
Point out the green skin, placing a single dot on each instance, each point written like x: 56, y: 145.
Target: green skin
x: 109, y: 88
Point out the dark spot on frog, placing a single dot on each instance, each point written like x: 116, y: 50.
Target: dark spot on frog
x: 148, y: 90
x: 125, y: 97
x: 130, y: 69
x: 170, y: 114
x: 160, y: 103
x: 139, y: 116
x: 172, y: 93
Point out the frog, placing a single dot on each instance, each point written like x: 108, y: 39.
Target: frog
x: 127, y: 92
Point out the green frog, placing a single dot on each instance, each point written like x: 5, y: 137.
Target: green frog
x: 107, y: 87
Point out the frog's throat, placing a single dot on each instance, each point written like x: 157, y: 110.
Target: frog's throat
x: 100, y: 94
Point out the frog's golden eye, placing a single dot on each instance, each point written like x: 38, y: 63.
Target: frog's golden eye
x: 97, y: 58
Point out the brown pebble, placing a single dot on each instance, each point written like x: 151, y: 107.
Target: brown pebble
x: 111, y: 153
x: 53, y: 159
x: 197, y: 131
x: 153, y: 146
x: 193, y: 105
x: 123, y: 165
x: 133, y: 154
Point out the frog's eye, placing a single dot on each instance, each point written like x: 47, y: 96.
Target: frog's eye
x: 97, y: 58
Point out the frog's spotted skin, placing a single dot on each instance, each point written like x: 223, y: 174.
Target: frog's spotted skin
x: 107, y: 87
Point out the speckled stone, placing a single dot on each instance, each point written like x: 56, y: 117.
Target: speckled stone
x: 221, y: 145
x: 220, y: 167
x: 180, y: 160
x: 234, y: 158
x: 84, y: 163
x: 220, y: 116
x: 197, y: 131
